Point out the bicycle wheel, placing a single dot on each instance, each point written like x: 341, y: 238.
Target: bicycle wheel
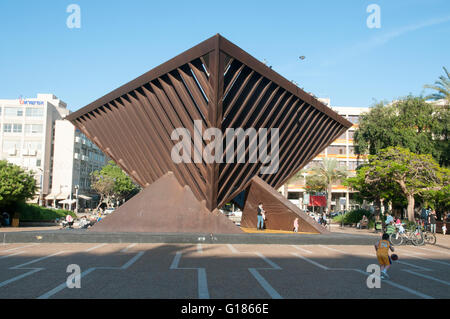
x: 396, y: 239
x: 417, y: 238
x: 430, y: 238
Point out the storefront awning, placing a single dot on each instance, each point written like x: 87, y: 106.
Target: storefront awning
x: 84, y: 197
x: 53, y: 196
x: 68, y: 201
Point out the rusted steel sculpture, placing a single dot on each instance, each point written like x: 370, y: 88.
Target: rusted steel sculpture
x: 213, y: 85
x: 280, y: 212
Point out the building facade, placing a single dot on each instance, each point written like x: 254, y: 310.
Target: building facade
x: 75, y: 158
x: 343, y: 150
x: 27, y: 134
x: 35, y: 136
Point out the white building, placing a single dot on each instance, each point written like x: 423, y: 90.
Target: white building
x: 343, y: 150
x: 27, y: 130
x: 75, y: 157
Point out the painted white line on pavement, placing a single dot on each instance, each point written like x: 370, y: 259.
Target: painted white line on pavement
x: 302, y: 249
x: 263, y: 282
x: 128, y: 247
x: 412, y: 291
x: 132, y: 260
x: 233, y: 249
x: 15, y: 254
x: 311, y: 261
x: 428, y: 277
x: 63, y: 285
x: 374, y: 256
x: 434, y: 250
x: 266, y: 286
x: 270, y: 262
x: 95, y: 247
x: 412, y: 265
x: 199, y: 248
x: 37, y: 260
x: 32, y: 270
x: 17, y: 248
x: 202, y: 282
x: 6, y: 282
x: 428, y: 259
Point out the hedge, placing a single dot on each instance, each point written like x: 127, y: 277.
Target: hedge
x: 37, y: 213
x: 353, y: 216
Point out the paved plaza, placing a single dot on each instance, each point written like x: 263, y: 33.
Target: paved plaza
x: 229, y: 271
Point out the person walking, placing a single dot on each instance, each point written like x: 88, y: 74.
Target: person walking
x: 432, y: 221
x: 260, y: 215
x: 296, y: 225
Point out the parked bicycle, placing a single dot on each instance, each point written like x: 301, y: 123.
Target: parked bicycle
x: 413, y: 235
x: 429, y: 237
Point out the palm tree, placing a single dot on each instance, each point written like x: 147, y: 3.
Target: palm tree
x: 442, y: 86
x: 330, y: 172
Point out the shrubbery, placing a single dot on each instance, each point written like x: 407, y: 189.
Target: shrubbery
x: 36, y: 213
x: 353, y: 216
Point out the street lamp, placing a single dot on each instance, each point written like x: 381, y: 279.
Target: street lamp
x: 41, y: 185
x: 76, y: 190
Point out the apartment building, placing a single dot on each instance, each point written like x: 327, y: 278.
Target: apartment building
x: 75, y: 158
x: 27, y: 133
x: 343, y: 150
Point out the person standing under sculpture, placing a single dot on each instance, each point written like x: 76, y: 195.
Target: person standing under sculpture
x: 260, y: 214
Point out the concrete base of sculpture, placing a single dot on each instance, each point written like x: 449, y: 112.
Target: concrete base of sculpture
x: 280, y: 212
x: 166, y: 207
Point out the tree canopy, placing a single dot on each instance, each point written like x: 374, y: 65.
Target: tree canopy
x: 410, y: 123
x: 411, y: 173
x: 112, y: 183
x: 16, y: 184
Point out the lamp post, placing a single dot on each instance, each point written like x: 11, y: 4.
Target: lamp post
x: 76, y: 190
x: 41, y: 180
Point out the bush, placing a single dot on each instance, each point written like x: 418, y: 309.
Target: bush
x: 37, y: 213
x: 354, y: 217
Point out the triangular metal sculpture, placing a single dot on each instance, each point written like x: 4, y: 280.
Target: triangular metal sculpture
x: 220, y: 86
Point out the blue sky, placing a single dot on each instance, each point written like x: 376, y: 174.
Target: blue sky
x: 120, y: 40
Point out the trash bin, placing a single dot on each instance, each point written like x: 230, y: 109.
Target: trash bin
x: 15, y: 220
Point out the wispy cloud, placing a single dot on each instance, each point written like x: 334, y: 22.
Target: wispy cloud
x: 379, y: 40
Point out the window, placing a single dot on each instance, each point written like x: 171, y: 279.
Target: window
x: 38, y: 162
x: 336, y: 150
x: 351, y: 134
x: 17, y: 128
x: 34, y: 112
x: 7, y: 128
x: 351, y: 150
x: 33, y: 145
x: 33, y: 128
x: 354, y: 119
x: 13, y: 111
x: 1, y: 111
x: 10, y: 145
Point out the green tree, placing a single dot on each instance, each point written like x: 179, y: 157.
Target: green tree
x: 16, y: 184
x: 442, y: 86
x: 411, y: 123
x: 316, y: 183
x: 327, y: 173
x: 112, y: 184
x: 413, y: 173
x: 379, y: 192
